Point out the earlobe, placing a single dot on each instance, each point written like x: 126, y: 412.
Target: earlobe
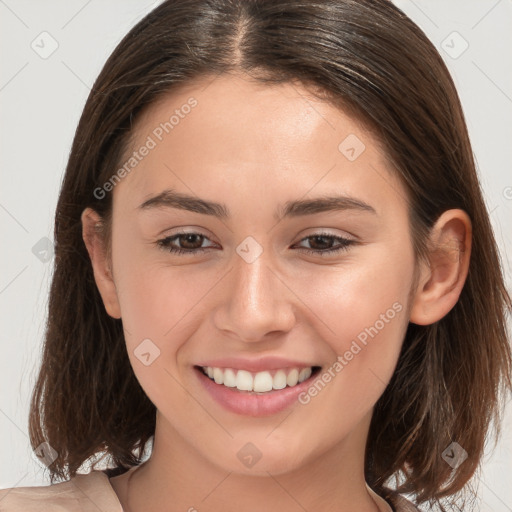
x: 91, y: 222
x: 442, y: 279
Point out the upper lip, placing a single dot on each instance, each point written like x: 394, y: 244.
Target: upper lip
x: 260, y: 364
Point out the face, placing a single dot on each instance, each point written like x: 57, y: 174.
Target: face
x: 261, y: 238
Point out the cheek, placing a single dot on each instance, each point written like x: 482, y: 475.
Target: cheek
x: 159, y: 302
x: 362, y: 313
x: 152, y: 296
x: 158, y: 306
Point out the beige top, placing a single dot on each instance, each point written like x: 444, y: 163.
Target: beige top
x: 93, y: 492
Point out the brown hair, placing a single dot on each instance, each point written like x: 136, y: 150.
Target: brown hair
x: 367, y: 56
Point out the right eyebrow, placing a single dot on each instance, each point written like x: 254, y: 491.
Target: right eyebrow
x: 172, y: 199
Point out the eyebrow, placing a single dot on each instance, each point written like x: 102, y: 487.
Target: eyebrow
x: 172, y: 199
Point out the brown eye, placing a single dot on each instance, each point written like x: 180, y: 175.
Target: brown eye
x: 184, y: 243
x: 325, y: 243
x: 319, y: 242
x: 191, y: 241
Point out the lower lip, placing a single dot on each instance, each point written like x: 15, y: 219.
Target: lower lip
x: 253, y: 404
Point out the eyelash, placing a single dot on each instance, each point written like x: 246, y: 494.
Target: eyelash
x: 344, y: 244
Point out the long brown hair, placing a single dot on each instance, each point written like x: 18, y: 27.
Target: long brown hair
x: 368, y: 57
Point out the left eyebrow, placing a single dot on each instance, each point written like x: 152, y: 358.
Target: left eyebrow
x: 173, y: 199
x: 324, y: 204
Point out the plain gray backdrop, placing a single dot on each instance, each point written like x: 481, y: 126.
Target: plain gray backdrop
x: 52, y: 52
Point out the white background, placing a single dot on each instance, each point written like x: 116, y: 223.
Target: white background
x: 40, y: 104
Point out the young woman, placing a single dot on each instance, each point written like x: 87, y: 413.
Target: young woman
x: 274, y: 267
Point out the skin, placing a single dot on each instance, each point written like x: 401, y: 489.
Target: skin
x: 253, y: 147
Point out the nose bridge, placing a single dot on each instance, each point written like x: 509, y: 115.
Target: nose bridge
x: 256, y: 302
x: 252, y: 285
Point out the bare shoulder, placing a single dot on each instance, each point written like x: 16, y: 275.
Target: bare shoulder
x: 83, y: 493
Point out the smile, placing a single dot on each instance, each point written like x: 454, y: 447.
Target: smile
x: 260, y: 382
x: 256, y: 393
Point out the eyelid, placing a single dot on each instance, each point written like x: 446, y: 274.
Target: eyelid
x: 191, y: 230
x: 343, y: 244
x: 325, y: 232
x: 185, y: 230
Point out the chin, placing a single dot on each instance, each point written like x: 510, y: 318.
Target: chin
x: 261, y: 457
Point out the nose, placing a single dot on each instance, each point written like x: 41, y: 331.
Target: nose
x: 256, y: 303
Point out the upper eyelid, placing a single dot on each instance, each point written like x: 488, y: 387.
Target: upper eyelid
x: 184, y: 233
x: 301, y: 239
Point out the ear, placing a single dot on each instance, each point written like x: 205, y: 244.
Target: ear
x: 93, y: 238
x: 442, y: 278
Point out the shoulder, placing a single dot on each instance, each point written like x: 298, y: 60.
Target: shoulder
x: 400, y: 504
x: 392, y: 501
x: 83, y: 493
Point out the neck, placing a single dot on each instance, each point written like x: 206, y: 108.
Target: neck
x: 178, y: 477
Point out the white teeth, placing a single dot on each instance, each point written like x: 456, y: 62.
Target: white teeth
x: 244, y: 380
x: 263, y: 382
x: 279, y: 381
x: 293, y: 377
x: 260, y: 382
x: 218, y: 375
x: 304, y: 374
x: 229, y: 378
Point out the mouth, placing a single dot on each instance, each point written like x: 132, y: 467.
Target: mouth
x: 256, y: 394
x: 259, y: 382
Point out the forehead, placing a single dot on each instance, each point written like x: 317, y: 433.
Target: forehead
x: 232, y: 134
x: 231, y: 109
